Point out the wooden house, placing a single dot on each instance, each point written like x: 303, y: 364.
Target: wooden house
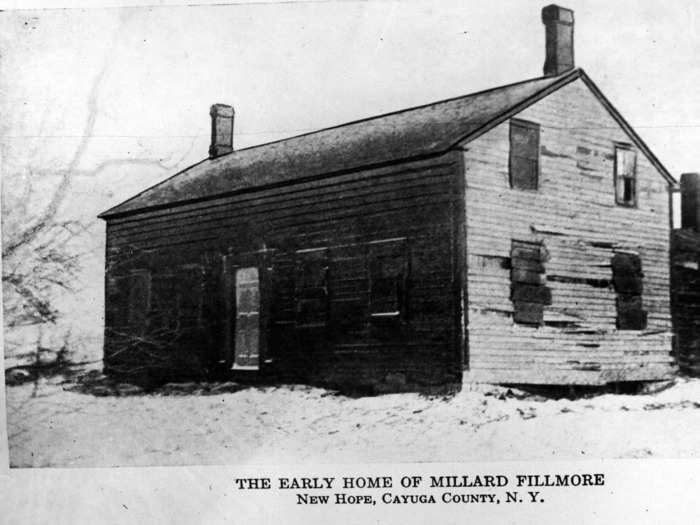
x: 685, y: 276
x: 515, y: 235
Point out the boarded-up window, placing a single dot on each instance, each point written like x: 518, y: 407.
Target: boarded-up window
x: 388, y: 275
x: 117, y: 303
x: 625, y: 175
x: 311, y: 288
x: 164, y: 302
x: 628, y: 282
x: 524, y: 158
x: 139, y: 300
x: 528, y: 291
x: 177, y: 299
x: 190, y: 290
x: 349, y: 286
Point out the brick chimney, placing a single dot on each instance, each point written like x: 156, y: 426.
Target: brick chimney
x: 221, y: 130
x: 690, y: 201
x: 559, y: 31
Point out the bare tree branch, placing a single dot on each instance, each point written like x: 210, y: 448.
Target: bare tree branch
x: 30, y: 233
x: 43, y: 251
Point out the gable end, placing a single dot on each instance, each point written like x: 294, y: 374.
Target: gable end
x: 614, y: 113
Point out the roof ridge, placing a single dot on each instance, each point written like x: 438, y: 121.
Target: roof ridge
x: 399, y: 111
x: 472, y: 114
x: 329, y: 128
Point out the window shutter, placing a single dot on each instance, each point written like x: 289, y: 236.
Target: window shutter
x: 164, y: 303
x: 388, y: 274
x: 311, y: 288
x: 528, y: 291
x: 190, y: 295
x: 524, y: 154
x: 139, y: 300
x: 118, y: 306
x: 349, y: 282
x: 628, y: 283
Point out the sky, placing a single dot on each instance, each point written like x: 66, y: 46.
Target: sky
x: 149, y: 75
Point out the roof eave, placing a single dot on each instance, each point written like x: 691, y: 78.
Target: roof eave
x: 114, y: 212
x: 565, y: 79
x: 114, y: 209
x: 617, y: 116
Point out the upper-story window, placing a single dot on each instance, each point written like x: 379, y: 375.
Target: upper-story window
x: 524, y: 158
x: 625, y: 175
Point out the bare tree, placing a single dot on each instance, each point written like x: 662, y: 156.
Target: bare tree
x: 42, y: 250
x: 38, y: 261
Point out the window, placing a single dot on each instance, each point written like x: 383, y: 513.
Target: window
x: 139, y: 300
x: 311, y: 288
x: 163, y: 314
x: 625, y: 176
x: 348, y: 302
x: 388, y: 273
x: 190, y: 295
x: 177, y: 299
x: 528, y: 292
x: 524, y: 155
x: 627, y: 279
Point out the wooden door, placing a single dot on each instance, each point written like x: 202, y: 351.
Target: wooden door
x: 247, y: 323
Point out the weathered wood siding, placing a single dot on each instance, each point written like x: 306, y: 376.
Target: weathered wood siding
x: 573, y: 213
x: 342, y: 217
x: 685, y: 287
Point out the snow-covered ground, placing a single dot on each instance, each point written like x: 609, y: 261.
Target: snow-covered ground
x: 49, y: 426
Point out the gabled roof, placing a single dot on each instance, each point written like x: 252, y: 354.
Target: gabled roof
x: 413, y: 133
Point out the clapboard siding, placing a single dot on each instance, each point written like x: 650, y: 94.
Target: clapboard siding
x: 419, y: 201
x: 573, y: 213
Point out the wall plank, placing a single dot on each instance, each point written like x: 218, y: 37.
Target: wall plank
x: 573, y: 213
x: 340, y: 215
